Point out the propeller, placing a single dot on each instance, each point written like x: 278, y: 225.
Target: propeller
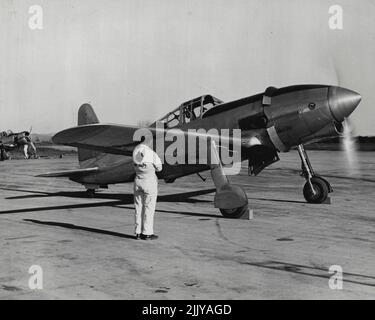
x: 349, y: 143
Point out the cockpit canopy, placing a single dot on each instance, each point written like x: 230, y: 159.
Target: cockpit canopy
x: 190, y: 110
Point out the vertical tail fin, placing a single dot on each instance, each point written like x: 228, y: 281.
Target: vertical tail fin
x: 86, y: 115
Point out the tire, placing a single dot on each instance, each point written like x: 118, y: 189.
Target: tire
x: 90, y: 193
x: 321, y: 189
x: 234, y: 213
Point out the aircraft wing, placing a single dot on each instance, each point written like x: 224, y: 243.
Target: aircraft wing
x: 108, y: 138
x: 117, y: 139
x: 68, y: 173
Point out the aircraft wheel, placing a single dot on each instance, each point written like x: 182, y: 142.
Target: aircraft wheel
x: 90, y: 193
x: 320, y: 188
x: 234, y: 213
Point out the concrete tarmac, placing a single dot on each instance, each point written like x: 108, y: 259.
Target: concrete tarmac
x: 86, y: 247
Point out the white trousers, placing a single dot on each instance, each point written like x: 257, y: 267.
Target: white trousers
x: 144, y: 203
x: 26, y: 149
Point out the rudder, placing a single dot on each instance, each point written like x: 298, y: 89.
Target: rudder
x: 86, y: 115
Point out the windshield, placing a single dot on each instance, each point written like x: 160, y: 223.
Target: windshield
x: 190, y: 111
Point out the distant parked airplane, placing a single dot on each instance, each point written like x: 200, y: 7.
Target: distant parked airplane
x: 12, y: 140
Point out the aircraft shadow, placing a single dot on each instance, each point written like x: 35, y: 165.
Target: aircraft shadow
x: 186, y: 196
x: 76, y: 227
x: 318, y: 272
x: 126, y: 197
x: 177, y: 197
x: 118, y: 199
x: 70, y: 206
x: 70, y: 194
x: 279, y: 200
x: 184, y: 213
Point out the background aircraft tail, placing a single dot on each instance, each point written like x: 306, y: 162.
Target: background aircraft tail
x: 86, y: 115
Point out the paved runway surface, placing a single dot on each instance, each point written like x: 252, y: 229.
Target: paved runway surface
x: 86, y: 247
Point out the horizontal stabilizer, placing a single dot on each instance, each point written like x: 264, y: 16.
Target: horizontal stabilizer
x: 69, y: 173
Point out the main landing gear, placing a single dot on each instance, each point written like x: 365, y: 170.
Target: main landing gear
x: 230, y: 199
x: 316, y: 188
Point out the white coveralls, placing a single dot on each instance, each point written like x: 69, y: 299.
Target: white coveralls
x: 146, y: 162
x: 27, y: 146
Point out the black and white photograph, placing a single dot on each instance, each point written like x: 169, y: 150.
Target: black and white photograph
x: 187, y: 150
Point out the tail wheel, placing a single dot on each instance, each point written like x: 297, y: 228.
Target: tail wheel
x: 90, y: 193
x: 234, y: 213
x: 320, y: 188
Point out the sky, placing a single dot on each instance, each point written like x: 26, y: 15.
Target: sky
x: 135, y: 60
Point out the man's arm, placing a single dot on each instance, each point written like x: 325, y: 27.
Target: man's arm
x: 157, y: 163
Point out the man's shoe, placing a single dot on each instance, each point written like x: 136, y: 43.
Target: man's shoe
x: 138, y: 236
x: 150, y: 237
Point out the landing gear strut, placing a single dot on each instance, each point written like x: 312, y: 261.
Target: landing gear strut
x: 230, y: 199
x: 316, y: 188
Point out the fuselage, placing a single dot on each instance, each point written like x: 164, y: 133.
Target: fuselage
x: 279, y: 118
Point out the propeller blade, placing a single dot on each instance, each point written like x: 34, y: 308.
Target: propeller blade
x: 349, y: 145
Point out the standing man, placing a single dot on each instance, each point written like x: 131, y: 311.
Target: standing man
x: 146, y: 163
x: 28, y: 145
x: 4, y: 155
x: 2, y: 151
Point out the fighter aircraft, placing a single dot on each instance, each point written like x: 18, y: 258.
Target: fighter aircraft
x: 271, y: 122
x: 12, y: 140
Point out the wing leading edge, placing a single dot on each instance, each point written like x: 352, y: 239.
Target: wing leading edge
x: 69, y: 173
